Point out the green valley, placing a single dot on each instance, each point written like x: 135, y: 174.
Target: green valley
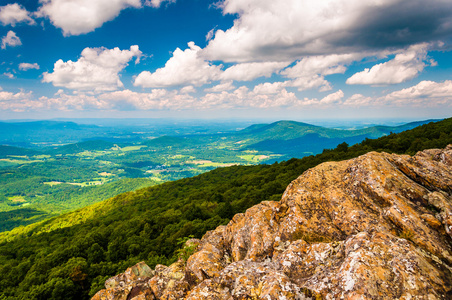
x: 70, y: 256
x: 41, y: 182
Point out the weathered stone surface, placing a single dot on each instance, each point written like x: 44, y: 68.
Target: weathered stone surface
x: 375, y: 227
x: 248, y: 279
x: 210, y: 258
x: 251, y: 235
x: 139, y: 272
x: 132, y: 284
x: 169, y: 283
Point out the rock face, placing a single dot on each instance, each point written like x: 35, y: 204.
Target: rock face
x: 375, y: 227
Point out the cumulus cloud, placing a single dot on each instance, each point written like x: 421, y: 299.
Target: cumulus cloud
x: 332, y: 98
x: 309, y: 72
x: 77, y: 101
x: 320, y: 64
x: 28, y: 66
x: 305, y: 41
x: 425, y: 93
x: 264, y: 96
x: 76, y: 17
x: 267, y: 96
x: 9, y: 75
x: 405, y: 66
x: 223, y: 86
x: 97, y: 69
x: 188, y: 67
x: 13, y: 14
x: 270, y: 88
x: 359, y: 100
x: 25, y: 101
x: 188, y: 89
x: 290, y: 29
x: 183, y: 68
x: 8, y: 96
x: 245, y: 98
x: 251, y: 71
x: 157, y: 99
x: 157, y: 3
x: 11, y: 39
x: 161, y: 99
x: 17, y: 102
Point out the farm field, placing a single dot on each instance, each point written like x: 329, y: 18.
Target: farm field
x: 42, y: 182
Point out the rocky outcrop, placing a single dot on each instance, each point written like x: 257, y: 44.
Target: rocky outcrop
x: 375, y: 227
x: 132, y: 284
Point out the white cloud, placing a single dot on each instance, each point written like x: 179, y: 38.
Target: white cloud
x: 332, y: 98
x: 405, y: 66
x: 97, y: 69
x: 184, y: 68
x: 8, y: 96
x: 267, y: 96
x: 188, y: 67
x: 209, y: 35
x: 127, y: 98
x: 25, y: 101
x: 244, y: 98
x: 157, y: 99
x: 266, y: 30
x: 9, y: 75
x: 157, y: 3
x: 28, y: 66
x: 320, y: 64
x: 17, y: 102
x: 286, y: 29
x: 320, y: 38
x: 424, y: 94
x: 308, y: 83
x: 12, y: 14
x: 270, y: 88
x: 76, y: 17
x: 64, y: 102
x: 251, y: 71
x: 188, y: 89
x: 310, y: 72
x: 223, y: 86
x: 11, y: 39
x: 359, y: 100
x: 161, y: 99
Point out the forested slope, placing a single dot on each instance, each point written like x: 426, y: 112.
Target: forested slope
x: 62, y: 260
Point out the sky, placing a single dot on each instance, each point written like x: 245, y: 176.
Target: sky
x: 284, y: 59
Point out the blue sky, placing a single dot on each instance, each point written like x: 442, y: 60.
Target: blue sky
x: 286, y: 59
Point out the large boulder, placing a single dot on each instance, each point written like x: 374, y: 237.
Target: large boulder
x: 375, y: 227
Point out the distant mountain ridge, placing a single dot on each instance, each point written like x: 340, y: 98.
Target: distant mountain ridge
x: 41, y: 125
x: 71, y: 256
x: 31, y: 134
x: 293, y: 138
x: 92, y: 145
x: 285, y: 129
x: 39, y: 134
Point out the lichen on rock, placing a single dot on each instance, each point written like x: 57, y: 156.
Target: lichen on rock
x: 375, y: 227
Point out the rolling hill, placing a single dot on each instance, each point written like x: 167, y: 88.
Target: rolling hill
x: 295, y: 139
x: 6, y: 151
x: 70, y: 257
x: 42, y: 133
